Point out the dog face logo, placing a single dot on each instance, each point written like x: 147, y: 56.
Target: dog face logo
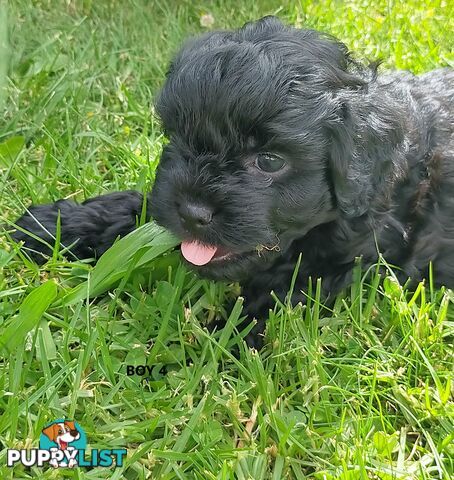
x: 66, y: 436
x: 62, y: 434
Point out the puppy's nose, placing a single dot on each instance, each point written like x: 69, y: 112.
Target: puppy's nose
x: 195, y: 215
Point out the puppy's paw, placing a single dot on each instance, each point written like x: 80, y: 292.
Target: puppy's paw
x: 256, y: 337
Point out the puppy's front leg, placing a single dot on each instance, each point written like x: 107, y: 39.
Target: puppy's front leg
x: 258, y: 299
x: 87, y: 230
x: 256, y: 308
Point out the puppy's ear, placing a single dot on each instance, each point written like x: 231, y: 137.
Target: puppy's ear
x: 51, y: 432
x: 71, y: 425
x: 366, y: 149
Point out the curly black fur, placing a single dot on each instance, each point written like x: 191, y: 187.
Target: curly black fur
x: 369, y: 164
x: 87, y: 230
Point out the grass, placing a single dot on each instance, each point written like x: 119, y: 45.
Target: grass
x: 363, y: 391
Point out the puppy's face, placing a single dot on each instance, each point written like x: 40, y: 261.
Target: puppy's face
x: 236, y: 209
x: 62, y: 432
x: 247, y: 167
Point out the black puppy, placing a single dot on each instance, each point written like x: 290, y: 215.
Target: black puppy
x: 87, y: 230
x: 280, y: 143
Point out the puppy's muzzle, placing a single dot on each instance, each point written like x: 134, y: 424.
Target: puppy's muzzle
x: 195, y: 216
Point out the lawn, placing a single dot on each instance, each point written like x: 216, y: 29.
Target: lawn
x: 362, y: 391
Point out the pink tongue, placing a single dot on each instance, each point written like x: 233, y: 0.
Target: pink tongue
x: 197, y: 253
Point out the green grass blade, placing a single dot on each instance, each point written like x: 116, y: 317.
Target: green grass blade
x: 142, y: 246
x: 30, y: 313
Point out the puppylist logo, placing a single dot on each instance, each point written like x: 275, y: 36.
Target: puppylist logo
x: 63, y: 443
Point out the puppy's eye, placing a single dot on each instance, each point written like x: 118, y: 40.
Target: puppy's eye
x: 269, y: 163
